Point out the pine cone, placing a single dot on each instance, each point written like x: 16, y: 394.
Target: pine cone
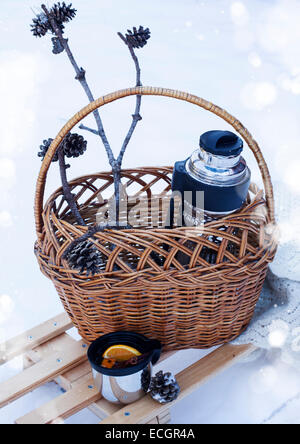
x: 138, y: 38
x: 85, y: 257
x: 57, y: 46
x: 74, y: 145
x: 62, y: 13
x: 164, y: 387
x: 44, y: 149
x: 40, y: 25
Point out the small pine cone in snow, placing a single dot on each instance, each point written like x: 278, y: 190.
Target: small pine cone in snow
x: 164, y: 387
x: 137, y: 38
x: 44, y: 149
x: 74, y: 145
x: 85, y: 258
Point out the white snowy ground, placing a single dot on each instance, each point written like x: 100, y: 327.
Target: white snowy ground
x: 244, y: 56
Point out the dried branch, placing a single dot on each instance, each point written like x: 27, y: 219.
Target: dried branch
x: 53, y: 21
x: 81, y: 77
x: 86, y: 128
x: 69, y: 196
x: 136, y: 117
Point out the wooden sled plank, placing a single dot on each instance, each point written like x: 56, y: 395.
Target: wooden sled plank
x: 189, y: 380
x: 64, y: 405
x: 153, y: 421
x: 164, y: 418
x: 58, y: 344
x: 81, y: 396
x: 103, y: 408
x: 42, y: 372
x: 34, y: 337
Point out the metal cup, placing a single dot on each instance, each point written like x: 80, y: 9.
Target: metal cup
x: 126, y: 385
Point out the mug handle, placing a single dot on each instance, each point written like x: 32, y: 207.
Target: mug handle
x: 156, y: 345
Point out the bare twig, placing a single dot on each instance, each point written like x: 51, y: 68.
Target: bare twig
x: 66, y: 187
x: 135, y: 59
x: 136, y: 117
x: 115, y: 163
x: 86, y: 128
x: 81, y: 77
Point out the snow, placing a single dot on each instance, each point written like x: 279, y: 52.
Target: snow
x: 243, y: 56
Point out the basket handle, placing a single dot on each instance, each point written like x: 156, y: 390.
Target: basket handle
x: 154, y: 91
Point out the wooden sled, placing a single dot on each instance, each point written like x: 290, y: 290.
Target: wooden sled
x: 50, y: 354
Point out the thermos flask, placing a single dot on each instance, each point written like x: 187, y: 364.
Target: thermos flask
x: 214, y: 180
x: 212, y: 183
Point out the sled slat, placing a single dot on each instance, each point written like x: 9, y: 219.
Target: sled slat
x: 153, y: 421
x: 103, y: 408
x: 165, y: 417
x: 68, y: 379
x: 63, y: 406
x: 34, y: 337
x: 189, y: 380
x: 42, y: 372
x: 56, y: 345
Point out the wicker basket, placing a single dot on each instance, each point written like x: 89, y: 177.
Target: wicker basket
x: 198, y: 306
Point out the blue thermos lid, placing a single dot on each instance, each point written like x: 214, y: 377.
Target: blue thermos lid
x: 221, y: 143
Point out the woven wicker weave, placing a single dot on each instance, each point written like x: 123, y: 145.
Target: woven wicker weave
x: 197, y: 306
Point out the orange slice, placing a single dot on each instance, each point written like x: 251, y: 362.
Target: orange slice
x: 121, y: 352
